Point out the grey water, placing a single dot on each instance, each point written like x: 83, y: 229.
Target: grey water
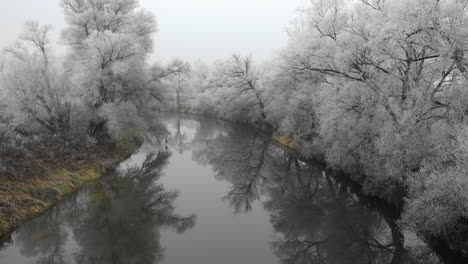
x: 225, y: 193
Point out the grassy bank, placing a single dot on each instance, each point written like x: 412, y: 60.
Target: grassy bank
x: 24, y: 198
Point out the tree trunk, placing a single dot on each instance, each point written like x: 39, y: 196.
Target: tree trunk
x: 178, y: 100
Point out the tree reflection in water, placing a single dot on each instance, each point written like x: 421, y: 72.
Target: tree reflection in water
x: 118, y: 221
x: 316, y: 218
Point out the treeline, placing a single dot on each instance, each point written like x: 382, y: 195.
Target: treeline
x: 97, y: 95
x: 379, y: 89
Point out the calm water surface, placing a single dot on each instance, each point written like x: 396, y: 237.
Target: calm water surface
x: 225, y: 194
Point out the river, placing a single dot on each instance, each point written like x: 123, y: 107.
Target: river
x: 225, y: 193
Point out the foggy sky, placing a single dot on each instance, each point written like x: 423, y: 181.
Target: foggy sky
x: 188, y: 29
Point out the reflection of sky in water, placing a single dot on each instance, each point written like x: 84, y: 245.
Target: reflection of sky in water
x: 254, y: 203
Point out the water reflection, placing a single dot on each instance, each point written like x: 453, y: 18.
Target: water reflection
x: 118, y: 221
x: 316, y: 218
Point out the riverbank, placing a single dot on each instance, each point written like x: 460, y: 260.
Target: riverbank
x: 24, y: 198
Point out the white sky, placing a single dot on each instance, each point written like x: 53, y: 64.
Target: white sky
x: 188, y: 29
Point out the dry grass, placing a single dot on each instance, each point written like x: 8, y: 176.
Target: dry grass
x: 22, y: 198
x: 285, y: 140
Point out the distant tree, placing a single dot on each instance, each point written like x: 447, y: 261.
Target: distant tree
x: 201, y: 73
x: 237, y: 83
x: 180, y: 71
x: 291, y: 100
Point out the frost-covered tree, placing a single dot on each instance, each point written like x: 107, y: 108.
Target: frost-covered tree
x: 201, y: 74
x: 110, y: 41
x: 35, y: 89
x: 236, y: 85
x: 291, y: 101
x: 386, y: 71
x: 85, y: 17
x: 178, y: 78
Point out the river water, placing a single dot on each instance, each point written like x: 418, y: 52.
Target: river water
x: 225, y: 194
